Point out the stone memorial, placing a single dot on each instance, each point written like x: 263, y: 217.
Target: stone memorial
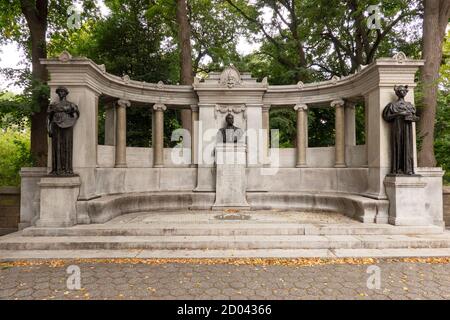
x: 230, y: 167
x: 230, y: 162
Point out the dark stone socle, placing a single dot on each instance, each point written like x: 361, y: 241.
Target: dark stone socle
x: 229, y: 133
x: 401, y: 114
x: 62, y: 116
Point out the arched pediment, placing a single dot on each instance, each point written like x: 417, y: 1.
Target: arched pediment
x: 230, y: 77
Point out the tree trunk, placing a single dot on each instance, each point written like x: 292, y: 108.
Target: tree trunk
x: 36, y: 16
x: 184, y: 43
x: 435, y: 21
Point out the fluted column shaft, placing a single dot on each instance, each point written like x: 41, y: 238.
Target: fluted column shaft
x: 350, y: 124
x: 302, y: 128
x: 121, y: 133
x: 194, y: 135
x: 340, y: 133
x: 266, y: 132
x: 158, y: 143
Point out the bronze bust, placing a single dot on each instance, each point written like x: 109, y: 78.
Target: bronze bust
x: 62, y: 116
x: 229, y: 133
x: 401, y: 115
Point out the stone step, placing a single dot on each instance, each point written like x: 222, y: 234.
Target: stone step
x: 219, y: 254
x: 241, y: 229
x: 225, y: 242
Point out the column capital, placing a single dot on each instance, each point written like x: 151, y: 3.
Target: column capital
x: 337, y: 103
x: 266, y: 107
x: 194, y: 107
x: 123, y: 103
x: 159, y: 107
x: 300, y: 107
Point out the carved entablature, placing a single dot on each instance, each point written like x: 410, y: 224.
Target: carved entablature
x: 230, y: 109
x: 230, y: 77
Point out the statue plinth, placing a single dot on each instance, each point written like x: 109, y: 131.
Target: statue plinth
x: 231, y: 178
x: 407, y: 200
x: 58, y: 201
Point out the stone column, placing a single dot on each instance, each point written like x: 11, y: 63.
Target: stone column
x: 302, y: 128
x: 158, y: 143
x: 121, y: 134
x: 194, y: 135
x: 266, y: 132
x: 340, y: 133
x: 110, y: 125
x: 350, y: 124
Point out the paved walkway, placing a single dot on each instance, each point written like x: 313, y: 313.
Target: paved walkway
x: 218, y: 279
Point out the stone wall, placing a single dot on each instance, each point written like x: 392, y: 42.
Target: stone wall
x: 447, y: 206
x: 9, y: 209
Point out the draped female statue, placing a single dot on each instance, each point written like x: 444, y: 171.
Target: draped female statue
x: 62, y: 116
x: 401, y: 115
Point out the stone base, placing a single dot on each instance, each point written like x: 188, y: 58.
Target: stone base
x: 58, y: 201
x: 231, y: 178
x: 446, y: 199
x: 406, y: 196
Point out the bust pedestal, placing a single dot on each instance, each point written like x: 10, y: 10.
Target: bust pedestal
x: 230, y: 176
x: 58, y: 201
x: 406, y: 196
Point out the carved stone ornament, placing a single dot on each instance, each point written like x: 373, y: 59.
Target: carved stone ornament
x: 265, y: 81
x: 335, y: 79
x: 361, y: 67
x: 65, y: 56
x: 230, y: 77
x: 160, y: 85
x: 230, y: 109
x: 300, y: 85
x: 126, y: 78
x: 400, y: 57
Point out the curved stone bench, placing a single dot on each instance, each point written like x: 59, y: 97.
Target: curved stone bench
x: 357, y: 207
x: 103, y: 209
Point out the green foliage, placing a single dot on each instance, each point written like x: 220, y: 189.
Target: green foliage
x: 321, y: 127
x: 284, y: 120
x: 442, y: 140
x: 14, y: 154
x: 442, y: 129
x: 139, y: 127
x: 16, y: 109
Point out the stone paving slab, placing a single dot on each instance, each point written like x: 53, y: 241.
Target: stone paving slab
x: 126, y: 280
x: 206, y: 216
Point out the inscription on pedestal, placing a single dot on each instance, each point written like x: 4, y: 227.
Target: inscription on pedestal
x: 231, y: 179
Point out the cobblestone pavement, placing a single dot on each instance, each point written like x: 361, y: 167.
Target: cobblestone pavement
x: 103, y: 280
